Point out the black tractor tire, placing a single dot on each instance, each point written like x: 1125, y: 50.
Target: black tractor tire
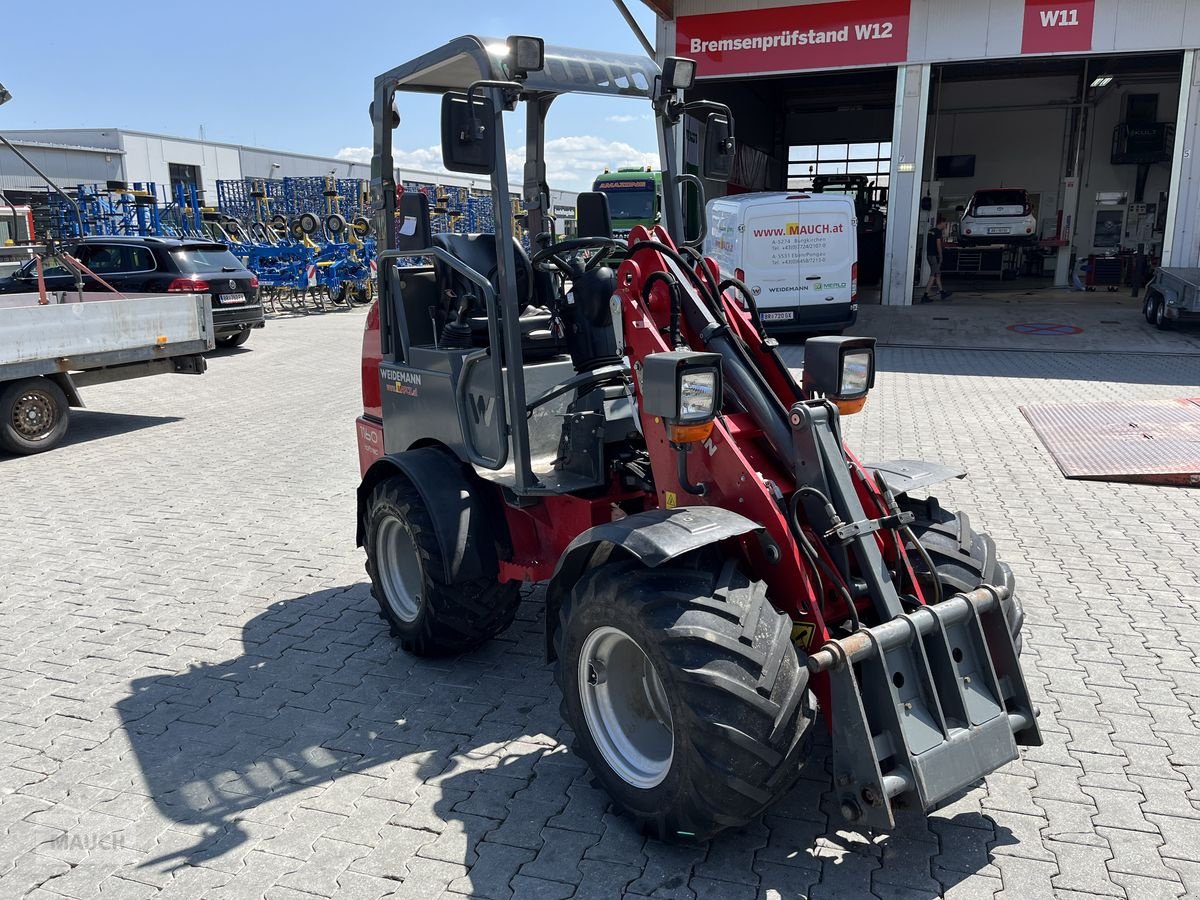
x: 963, y: 558
x: 234, y: 340
x: 447, y: 618
x: 34, y: 416
x: 727, y: 671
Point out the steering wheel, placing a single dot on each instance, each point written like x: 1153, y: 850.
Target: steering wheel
x: 551, y: 259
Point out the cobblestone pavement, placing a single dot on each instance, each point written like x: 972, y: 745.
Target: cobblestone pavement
x: 197, y: 698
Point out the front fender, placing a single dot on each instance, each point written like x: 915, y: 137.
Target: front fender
x: 653, y: 538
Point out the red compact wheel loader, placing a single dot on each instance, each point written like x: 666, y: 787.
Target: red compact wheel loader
x: 610, y: 417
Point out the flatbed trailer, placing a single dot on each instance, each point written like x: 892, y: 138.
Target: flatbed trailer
x: 49, y: 350
x: 1173, y: 297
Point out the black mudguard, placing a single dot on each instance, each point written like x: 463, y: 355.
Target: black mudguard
x: 462, y: 520
x: 652, y: 537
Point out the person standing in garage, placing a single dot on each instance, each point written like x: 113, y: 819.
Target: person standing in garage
x: 934, y: 239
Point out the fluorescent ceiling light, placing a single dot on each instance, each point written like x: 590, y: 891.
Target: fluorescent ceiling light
x: 1102, y: 81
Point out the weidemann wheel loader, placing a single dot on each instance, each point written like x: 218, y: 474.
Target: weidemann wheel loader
x: 609, y: 417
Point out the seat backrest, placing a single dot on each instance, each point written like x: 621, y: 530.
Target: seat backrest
x: 591, y: 215
x: 479, y: 252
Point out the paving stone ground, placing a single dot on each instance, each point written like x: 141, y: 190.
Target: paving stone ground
x: 197, y: 698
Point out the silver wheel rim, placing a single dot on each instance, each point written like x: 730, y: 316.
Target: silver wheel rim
x: 34, y: 415
x: 399, y: 569
x: 626, y: 707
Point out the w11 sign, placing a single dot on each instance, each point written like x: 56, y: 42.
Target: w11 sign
x: 1058, y: 27
x: 794, y: 38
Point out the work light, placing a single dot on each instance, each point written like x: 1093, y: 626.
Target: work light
x: 526, y: 54
x: 683, y: 388
x: 679, y: 74
x: 840, y: 368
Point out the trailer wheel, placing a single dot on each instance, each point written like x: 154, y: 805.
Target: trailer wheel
x: 684, y: 692
x: 34, y: 415
x: 1148, y: 310
x: 1161, y: 322
x: 964, y: 559
x: 404, y: 562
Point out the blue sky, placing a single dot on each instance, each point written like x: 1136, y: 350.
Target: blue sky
x: 296, y: 76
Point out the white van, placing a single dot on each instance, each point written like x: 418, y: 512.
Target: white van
x: 798, y: 254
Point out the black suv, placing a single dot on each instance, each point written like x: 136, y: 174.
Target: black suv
x: 154, y: 265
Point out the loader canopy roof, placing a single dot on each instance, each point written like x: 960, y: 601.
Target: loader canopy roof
x: 454, y: 66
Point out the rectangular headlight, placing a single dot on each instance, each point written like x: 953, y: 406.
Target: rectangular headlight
x: 840, y: 368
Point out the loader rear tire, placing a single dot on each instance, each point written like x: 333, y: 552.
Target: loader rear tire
x: 684, y: 691
x: 964, y: 558
x: 404, y: 562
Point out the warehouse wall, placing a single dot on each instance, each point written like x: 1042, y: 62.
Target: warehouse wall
x: 66, y: 166
x: 256, y: 163
x: 148, y: 158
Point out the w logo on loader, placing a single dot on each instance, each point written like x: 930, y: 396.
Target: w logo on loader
x: 482, y: 408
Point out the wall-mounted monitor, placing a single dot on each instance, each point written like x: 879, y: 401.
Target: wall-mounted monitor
x: 962, y: 166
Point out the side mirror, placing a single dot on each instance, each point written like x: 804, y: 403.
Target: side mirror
x: 718, y: 149
x: 413, y: 233
x: 467, y: 144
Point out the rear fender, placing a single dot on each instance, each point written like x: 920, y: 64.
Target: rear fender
x: 63, y: 380
x: 463, y: 521
x: 653, y: 538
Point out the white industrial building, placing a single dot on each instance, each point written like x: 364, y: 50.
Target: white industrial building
x: 73, y: 156
x: 1091, y: 106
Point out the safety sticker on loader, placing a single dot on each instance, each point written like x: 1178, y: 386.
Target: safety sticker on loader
x: 802, y: 633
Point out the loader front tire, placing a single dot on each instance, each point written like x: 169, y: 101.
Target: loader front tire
x: 404, y: 562
x: 684, y: 691
x: 964, y: 558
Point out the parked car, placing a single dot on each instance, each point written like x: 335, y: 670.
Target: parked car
x: 153, y: 265
x: 998, y: 216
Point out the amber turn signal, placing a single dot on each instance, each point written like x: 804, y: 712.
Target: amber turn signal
x: 689, y: 434
x: 850, y: 407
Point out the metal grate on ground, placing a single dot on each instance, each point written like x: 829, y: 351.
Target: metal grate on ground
x: 1148, y: 443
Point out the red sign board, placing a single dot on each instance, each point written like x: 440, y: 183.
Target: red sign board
x: 791, y: 38
x: 1059, y: 26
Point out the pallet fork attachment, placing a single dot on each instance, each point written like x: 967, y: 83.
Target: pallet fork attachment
x: 924, y: 705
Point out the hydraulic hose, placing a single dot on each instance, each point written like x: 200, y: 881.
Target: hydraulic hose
x: 742, y: 380
x: 815, y: 559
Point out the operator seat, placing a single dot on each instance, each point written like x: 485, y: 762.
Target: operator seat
x: 478, y: 251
